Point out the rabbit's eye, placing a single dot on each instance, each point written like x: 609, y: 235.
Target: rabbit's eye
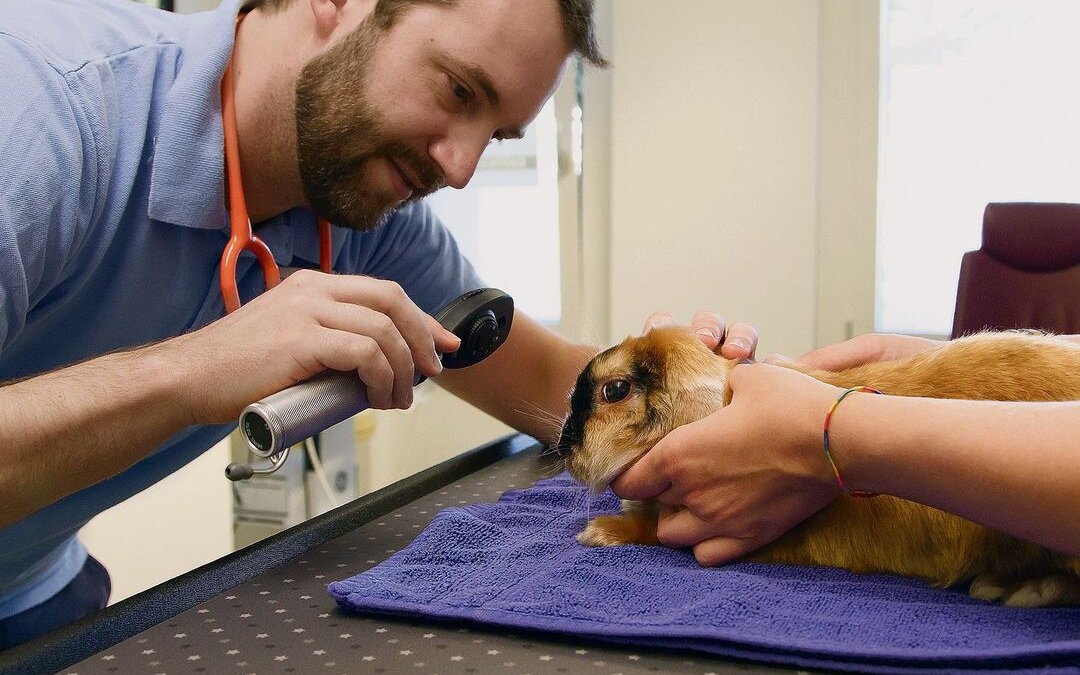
x: 615, y: 391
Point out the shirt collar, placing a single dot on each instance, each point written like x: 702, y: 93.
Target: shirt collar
x: 187, y: 173
x: 293, y: 238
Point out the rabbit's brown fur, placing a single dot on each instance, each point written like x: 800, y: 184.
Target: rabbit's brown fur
x: 674, y: 380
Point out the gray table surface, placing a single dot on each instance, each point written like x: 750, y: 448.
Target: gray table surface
x: 283, y: 621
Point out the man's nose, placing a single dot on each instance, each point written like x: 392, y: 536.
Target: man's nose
x: 457, y: 157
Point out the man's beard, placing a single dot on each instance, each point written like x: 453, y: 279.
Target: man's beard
x: 339, y: 132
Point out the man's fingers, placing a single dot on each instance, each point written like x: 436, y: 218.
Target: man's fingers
x: 345, y: 350
x: 390, y: 299
x: 709, y: 327
x: 445, y: 341
x: 722, y: 550
x: 369, y: 323
x: 740, y: 342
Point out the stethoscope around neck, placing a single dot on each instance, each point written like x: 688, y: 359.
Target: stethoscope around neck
x: 242, y: 238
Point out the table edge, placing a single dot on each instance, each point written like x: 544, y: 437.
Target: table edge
x: 116, y: 623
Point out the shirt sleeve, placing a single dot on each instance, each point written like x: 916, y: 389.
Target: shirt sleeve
x: 415, y: 249
x: 43, y: 176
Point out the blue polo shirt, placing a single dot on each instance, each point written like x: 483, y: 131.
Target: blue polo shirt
x: 112, y: 223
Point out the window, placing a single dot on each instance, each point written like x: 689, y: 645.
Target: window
x: 507, y: 219
x: 979, y: 103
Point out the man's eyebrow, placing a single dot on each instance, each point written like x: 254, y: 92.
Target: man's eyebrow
x: 480, y: 77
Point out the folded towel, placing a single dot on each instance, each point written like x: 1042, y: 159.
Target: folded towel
x: 516, y: 563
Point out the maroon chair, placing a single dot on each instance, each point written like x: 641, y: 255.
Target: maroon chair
x: 1027, y: 273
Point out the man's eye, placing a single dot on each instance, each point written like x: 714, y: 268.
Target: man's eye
x: 615, y: 391
x: 460, y: 91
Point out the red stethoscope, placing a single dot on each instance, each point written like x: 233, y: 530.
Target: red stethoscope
x: 242, y: 237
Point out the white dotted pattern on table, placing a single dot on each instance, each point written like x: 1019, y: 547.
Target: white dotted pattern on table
x: 285, y: 622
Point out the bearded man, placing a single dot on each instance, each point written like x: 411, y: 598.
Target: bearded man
x: 121, y: 365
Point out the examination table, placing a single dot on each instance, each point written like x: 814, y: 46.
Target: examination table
x: 265, y: 608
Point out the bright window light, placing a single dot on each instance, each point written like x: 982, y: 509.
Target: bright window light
x: 507, y: 219
x: 980, y: 103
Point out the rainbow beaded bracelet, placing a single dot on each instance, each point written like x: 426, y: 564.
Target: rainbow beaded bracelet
x: 828, y: 454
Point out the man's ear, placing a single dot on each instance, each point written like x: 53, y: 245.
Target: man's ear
x: 327, y: 15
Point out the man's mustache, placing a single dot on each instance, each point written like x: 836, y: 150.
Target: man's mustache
x: 429, y: 178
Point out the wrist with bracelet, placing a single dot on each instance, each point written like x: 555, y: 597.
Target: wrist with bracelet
x: 828, y: 452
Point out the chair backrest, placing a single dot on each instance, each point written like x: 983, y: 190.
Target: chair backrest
x: 1027, y: 273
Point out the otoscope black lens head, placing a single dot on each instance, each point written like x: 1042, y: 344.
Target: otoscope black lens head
x: 483, y: 336
x: 482, y: 320
x: 256, y: 431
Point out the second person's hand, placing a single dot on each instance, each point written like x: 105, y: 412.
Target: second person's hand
x: 741, y: 477
x: 862, y: 349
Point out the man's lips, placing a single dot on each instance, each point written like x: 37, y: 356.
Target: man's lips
x: 423, y: 180
x: 402, y: 185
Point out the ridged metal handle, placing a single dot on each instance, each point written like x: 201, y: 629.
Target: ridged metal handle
x: 301, y: 411
x: 481, y: 318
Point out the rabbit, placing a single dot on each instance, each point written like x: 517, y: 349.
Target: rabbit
x: 630, y: 396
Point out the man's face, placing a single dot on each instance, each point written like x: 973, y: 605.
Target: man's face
x: 388, y: 117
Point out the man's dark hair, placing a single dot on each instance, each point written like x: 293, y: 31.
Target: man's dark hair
x: 576, y: 14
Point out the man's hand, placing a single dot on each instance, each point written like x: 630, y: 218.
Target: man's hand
x: 309, y: 323
x: 76, y: 426
x: 738, y: 341
x: 745, y: 474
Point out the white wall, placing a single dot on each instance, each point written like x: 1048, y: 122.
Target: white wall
x: 714, y: 122
x: 172, y: 527
x: 742, y: 165
x: 189, y: 6
x: 437, y: 427
x: 596, y: 190
x: 847, y: 169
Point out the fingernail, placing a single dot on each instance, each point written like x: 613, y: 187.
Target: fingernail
x: 740, y: 343
x: 409, y: 398
x: 708, y: 332
x: 436, y: 362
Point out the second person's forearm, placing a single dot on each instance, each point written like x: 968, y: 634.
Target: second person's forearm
x: 1014, y: 467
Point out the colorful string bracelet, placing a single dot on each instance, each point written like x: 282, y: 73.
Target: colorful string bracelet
x: 828, y: 454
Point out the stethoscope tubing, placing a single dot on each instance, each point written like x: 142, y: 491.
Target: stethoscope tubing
x: 241, y: 235
x: 242, y: 238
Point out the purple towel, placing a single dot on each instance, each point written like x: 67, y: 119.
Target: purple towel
x: 515, y: 563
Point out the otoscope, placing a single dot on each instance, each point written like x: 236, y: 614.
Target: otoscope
x: 481, y: 318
